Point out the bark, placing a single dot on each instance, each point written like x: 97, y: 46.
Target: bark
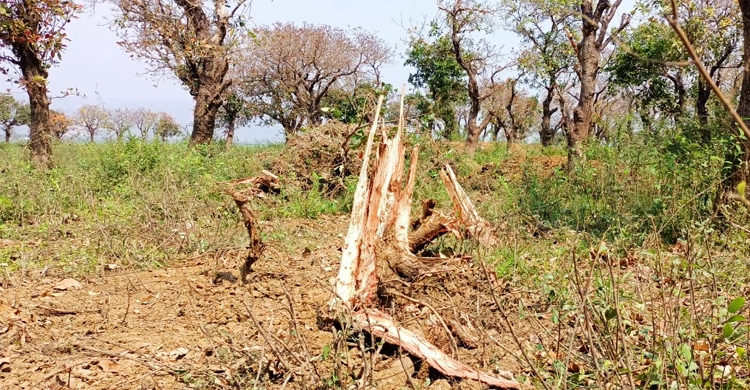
x: 8, y: 133
x: 205, y: 77
x: 40, y: 138
x: 739, y: 169
x: 207, y: 104
x: 547, y: 132
x: 230, y: 134
x: 595, y: 20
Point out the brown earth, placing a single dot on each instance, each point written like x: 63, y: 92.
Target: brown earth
x: 184, y: 327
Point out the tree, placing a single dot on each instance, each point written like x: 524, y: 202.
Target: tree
x: 60, y: 124
x: 596, y: 16
x: 120, y: 122
x: 232, y: 113
x: 439, y: 73
x: 166, y: 127
x: 188, y: 39
x: 285, y: 71
x: 91, y: 119
x: 145, y: 121
x: 475, y: 56
x: 12, y: 114
x: 32, y: 39
x: 740, y: 167
x: 513, y: 111
x: 542, y: 24
x: 647, y: 71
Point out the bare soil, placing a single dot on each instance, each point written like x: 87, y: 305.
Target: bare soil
x: 184, y: 327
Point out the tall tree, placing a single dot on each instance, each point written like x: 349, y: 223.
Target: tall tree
x: 596, y: 15
x: 188, y: 39
x: 32, y: 39
x: 285, y: 71
x: 12, y: 113
x: 91, y: 119
x: 475, y: 56
x: 740, y: 167
x: 438, y: 72
x: 547, y: 54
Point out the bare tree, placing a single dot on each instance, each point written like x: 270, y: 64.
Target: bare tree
x: 596, y: 16
x: 188, y: 39
x: 285, y: 71
x: 475, y: 56
x: 514, y: 112
x: 145, y: 121
x: 120, y: 122
x: 91, y: 119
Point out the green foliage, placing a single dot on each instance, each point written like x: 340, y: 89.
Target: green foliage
x: 440, y: 75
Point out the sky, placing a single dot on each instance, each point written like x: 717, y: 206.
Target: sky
x: 106, y: 75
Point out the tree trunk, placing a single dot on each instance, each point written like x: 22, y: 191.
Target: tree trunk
x: 207, y: 104
x: 547, y: 132
x: 740, y: 170
x: 230, y: 134
x: 704, y: 93
x: 35, y: 77
x: 7, y: 134
x: 91, y: 136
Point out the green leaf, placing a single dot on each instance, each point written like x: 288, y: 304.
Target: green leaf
x: 741, y: 188
x: 728, y: 330
x: 736, y: 305
x: 326, y: 351
x: 610, y: 314
x: 737, y: 318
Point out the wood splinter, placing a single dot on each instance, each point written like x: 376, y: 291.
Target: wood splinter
x: 379, y: 236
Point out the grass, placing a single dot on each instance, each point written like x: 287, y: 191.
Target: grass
x: 621, y: 272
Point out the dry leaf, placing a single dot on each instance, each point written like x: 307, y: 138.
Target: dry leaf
x: 701, y: 345
x: 108, y: 365
x: 67, y: 284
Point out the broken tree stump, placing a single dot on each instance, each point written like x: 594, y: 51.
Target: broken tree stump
x: 379, y: 238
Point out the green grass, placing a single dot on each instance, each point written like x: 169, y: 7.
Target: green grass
x: 631, y: 309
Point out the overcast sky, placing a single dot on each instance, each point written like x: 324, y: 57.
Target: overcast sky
x: 106, y: 75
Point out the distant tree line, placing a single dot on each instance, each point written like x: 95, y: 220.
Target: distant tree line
x: 580, y: 73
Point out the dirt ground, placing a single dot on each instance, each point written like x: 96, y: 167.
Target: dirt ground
x: 184, y: 327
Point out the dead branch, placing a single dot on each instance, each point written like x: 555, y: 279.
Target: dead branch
x: 476, y: 227
x: 258, y: 187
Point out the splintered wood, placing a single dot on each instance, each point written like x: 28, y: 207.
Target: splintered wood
x: 379, y: 236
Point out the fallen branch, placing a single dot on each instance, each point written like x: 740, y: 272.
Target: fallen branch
x: 381, y: 325
x: 476, y: 227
